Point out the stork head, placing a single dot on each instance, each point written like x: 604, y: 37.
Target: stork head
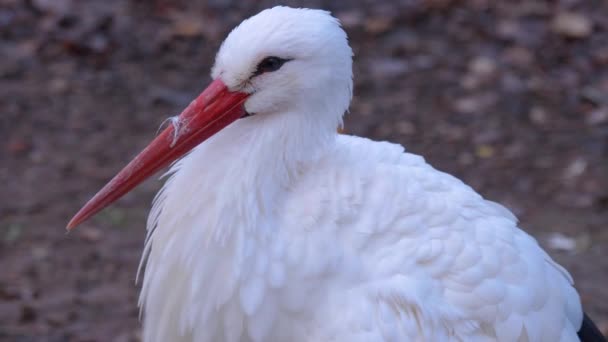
x: 285, y: 59
x: 282, y: 61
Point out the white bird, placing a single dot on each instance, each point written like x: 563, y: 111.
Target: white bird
x: 276, y: 228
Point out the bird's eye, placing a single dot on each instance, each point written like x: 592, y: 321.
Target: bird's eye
x: 270, y: 64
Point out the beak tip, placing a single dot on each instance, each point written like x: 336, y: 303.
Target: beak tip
x: 71, y: 225
x: 75, y: 221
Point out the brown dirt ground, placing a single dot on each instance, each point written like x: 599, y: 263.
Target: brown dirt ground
x: 510, y: 96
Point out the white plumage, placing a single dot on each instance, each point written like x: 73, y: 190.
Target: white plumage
x: 279, y: 229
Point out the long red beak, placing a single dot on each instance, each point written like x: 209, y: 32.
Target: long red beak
x: 215, y: 108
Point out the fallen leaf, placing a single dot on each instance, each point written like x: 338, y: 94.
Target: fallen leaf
x: 538, y: 115
x: 377, y: 25
x: 482, y: 66
x: 561, y: 242
x: 484, y: 151
x: 188, y: 26
x: 597, y: 116
x: 572, y: 25
x: 89, y: 234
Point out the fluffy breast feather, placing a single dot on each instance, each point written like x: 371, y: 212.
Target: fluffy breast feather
x: 420, y: 244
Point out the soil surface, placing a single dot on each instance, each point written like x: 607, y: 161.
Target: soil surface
x: 510, y: 96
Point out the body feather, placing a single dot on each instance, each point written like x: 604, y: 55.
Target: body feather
x: 368, y: 243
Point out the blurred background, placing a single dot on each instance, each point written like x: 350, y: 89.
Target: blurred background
x: 510, y: 96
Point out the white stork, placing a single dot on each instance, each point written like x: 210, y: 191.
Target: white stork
x: 276, y: 228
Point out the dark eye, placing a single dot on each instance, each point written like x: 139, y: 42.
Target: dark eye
x: 269, y: 64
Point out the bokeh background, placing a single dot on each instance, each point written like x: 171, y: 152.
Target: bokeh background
x: 511, y: 96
